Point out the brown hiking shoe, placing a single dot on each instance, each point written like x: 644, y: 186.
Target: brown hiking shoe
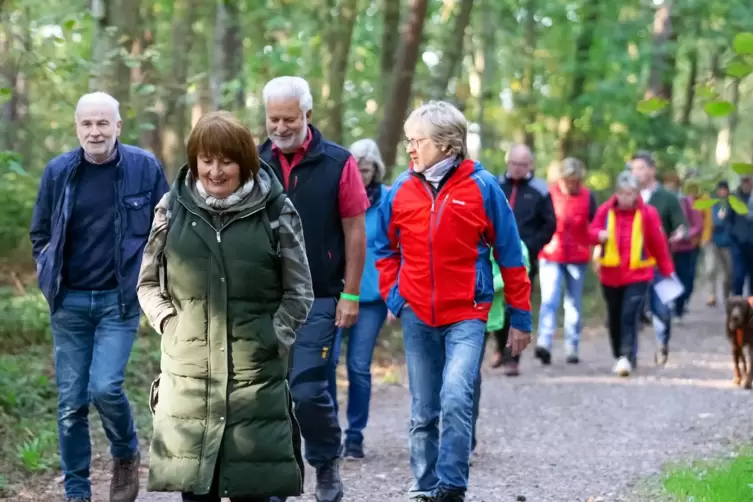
x: 510, y: 369
x: 124, y: 486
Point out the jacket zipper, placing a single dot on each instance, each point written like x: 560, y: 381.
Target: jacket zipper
x: 432, y: 225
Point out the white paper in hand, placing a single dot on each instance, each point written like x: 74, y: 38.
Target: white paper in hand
x: 669, y: 289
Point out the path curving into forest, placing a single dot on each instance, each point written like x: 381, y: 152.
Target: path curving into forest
x: 563, y: 434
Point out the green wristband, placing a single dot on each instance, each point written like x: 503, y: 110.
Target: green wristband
x: 347, y: 296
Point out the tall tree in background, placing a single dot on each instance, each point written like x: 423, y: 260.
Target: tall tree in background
x: 390, y: 129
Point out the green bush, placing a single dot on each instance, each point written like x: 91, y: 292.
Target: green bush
x: 18, y: 191
x: 24, y: 320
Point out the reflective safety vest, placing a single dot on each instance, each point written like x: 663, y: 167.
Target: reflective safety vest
x: 611, y: 255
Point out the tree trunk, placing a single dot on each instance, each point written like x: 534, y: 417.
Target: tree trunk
x: 575, y: 143
x: 489, y: 76
x: 175, y: 123
x: 662, y: 60
x: 452, y: 52
x: 398, y: 99
x: 336, y: 68
x: 390, y: 27
x: 227, y: 91
x: 144, y: 76
x: 15, y: 111
x: 724, y: 140
x: 529, y: 72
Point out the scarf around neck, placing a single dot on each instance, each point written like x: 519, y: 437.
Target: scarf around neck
x: 226, y: 202
x: 437, y: 172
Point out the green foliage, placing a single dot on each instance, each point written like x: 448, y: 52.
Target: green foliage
x: 28, y: 396
x: 23, y: 318
x: 743, y: 43
x: 17, y: 195
x: 719, y: 108
x: 721, y: 481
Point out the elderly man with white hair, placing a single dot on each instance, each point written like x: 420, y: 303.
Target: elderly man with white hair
x: 91, y: 221
x: 434, y: 233
x: 322, y: 180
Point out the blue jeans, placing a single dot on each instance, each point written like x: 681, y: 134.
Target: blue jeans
x: 742, y: 268
x: 685, y: 268
x: 92, y: 344
x: 362, y: 338
x: 661, y: 314
x: 442, y: 372
x: 309, y: 379
x: 551, y: 277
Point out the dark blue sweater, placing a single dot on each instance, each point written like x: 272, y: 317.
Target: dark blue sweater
x: 90, y: 242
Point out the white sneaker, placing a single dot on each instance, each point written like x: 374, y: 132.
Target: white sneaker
x: 622, y: 367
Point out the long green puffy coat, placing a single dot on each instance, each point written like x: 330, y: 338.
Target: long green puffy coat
x: 223, y: 397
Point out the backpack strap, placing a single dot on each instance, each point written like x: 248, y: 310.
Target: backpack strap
x: 162, y: 264
x: 271, y: 218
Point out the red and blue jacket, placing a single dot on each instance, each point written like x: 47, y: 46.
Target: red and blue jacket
x: 432, y: 248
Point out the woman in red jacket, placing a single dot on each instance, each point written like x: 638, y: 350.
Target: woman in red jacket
x: 633, y: 244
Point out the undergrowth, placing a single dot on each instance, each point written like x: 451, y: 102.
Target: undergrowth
x: 28, y: 397
x: 729, y: 480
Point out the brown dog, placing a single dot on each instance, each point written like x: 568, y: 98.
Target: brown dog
x: 739, y: 327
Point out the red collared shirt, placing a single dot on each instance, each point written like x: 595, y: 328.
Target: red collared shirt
x: 352, y: 198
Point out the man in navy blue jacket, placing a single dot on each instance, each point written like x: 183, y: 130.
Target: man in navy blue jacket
x: 91, y: 221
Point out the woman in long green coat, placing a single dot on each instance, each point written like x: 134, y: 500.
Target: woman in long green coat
x: 225, y: 281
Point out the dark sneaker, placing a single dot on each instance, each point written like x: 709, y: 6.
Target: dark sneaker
x: 510, y: 369
x: 572, y: 359
x: 423, y: 498
x: 543, y: 355
x: 353, y: 450
x: 450, y: 496
x: 124, y: 486
x: 329, y: 486
x: 661, y: 355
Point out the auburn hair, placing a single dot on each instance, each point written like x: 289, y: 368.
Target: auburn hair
x: 220, y: 135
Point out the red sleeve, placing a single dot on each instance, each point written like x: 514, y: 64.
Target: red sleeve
x: 597, y: 224
x: 656, y: 242
x: 352, y: 197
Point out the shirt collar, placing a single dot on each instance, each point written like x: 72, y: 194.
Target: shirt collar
x: 112, y: 156
x: 301, y: 149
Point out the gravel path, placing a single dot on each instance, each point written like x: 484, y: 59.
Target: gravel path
x: 566, y: 434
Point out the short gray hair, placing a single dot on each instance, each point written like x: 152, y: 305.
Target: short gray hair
x: 626, y: 180
x: 98, y: 98
x: 289, y: 88
x: 572, y: 167
x: 368, y: 151
x: 443, y: 123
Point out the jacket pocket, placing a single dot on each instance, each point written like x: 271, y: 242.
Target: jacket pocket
x: 138, y: 213
x: 483, y: 290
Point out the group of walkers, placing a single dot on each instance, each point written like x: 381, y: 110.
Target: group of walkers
x: 259, y: 261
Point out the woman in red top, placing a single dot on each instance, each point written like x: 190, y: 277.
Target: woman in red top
x: 633, y: 244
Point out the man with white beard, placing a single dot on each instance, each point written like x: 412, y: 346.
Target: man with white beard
x: 322, y: 180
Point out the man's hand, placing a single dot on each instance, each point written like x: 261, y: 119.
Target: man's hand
x: 346, y: 313
x: 391, y: 317
x: 603, y: 236
x: 517, y: 341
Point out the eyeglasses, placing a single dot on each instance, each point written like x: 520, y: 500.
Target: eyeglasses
x: 413, y: 143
